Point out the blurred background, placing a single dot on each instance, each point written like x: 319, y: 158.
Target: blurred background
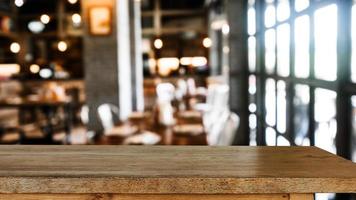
x: 179, y: 72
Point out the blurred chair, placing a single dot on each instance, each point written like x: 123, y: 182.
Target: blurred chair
x: 10, y: 135
x: 219, y: 122
x: 108, y: 115
x: 165, y: 96
x: 165, y: 92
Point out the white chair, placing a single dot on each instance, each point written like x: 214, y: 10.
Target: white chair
x: 165, y: 95
x: 107, y: 114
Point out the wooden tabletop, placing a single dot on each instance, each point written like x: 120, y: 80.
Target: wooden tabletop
x: 173, y: 169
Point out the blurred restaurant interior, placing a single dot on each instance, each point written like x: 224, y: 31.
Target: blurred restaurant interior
x: 179, y: 72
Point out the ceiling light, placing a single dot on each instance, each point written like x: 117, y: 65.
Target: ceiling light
x: 207, y: 42
x: 46, y: 73
x: 72, y: 1
x: 19, y: 3
x: 62, y: 46
x: 199, y: 61
x: 34, y: 68
x: 15, y: 47
x: 158, y: 43
x: 76, y: 19
x: 36, y: 26
x: 45, y: 19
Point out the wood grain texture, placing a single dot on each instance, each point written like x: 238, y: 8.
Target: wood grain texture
x: 301, y: 197
x: 173, y: 170
x: 138, y: 197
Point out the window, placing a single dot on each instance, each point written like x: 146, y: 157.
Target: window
x: 283, y: 49
x: 270, y: 45
x: 283, y: 10
x: 325, y: 20
x: 251, y: 16
x: 281, y: 107
x: 325, y: 114
x: 270, y: 13
x: 302, y: 38
x: 301, y: 5
x: 270, y: 102
x: 252, y: 53
x: 301, y: 115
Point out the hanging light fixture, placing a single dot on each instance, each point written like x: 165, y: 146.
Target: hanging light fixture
x: 15, y: 47
x: 76, y: 19
x: 19, y: 3
x: 45, y: 19
x: 158, y: 43
x: 62, y: 46
x: 72, y: 1
x: 207, y: 42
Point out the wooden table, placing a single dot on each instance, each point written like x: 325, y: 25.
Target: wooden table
x: 171, y: 173
x: 168, y: 137
x: 48, y: 108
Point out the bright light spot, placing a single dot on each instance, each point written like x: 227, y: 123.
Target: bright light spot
x: 15, y: 47
x: 62, y: 46
x: 166, y: 65
x: 76, y: 19
x: 171, y: 63
x: 7, y: 70
x: 158, y: 43
x: 72, y: 1
x: 45, y: 19
x: 19, y: 3
x: 34, y: 68
x: 207, y: 42
x: 35, y: 26
x: 186, y: 61
x: 225, y: 29
x: 199, y: 61
x: 46, y: 73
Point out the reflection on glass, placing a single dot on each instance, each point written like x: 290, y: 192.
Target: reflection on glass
x: 270, y: 100
x: 271, y: 137
x: 283, y: 10
x: 353, y: 29
x: 251, y: 16
x: 252, y: 84
x: 281, y: 107
x: 302, y: 36
x: 282, y: 141
x: 270, y: 15
x: 301, y: 5
x: 353, y: 101
x: 270, y: 53
x: 283, y: 43
x: 326, y: 42
x: 301, y: 115
x: 325, y: 113
x: 252, y: 54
